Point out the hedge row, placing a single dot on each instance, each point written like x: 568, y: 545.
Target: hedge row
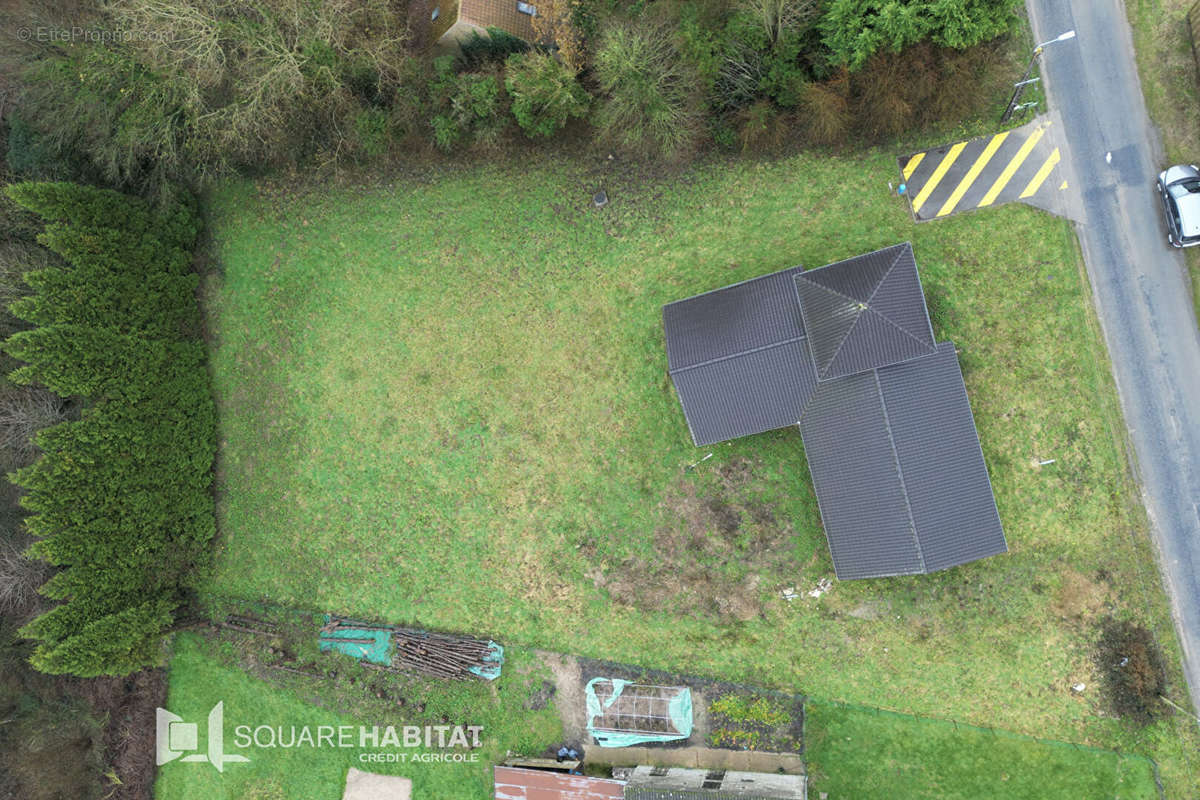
x: 120, y: 500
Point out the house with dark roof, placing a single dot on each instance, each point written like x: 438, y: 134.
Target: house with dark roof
x: 846, y: 352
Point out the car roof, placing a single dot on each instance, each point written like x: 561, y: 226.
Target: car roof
x: 1179, y: 172
x: 1189, y: 214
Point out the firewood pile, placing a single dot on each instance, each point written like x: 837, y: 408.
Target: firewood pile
x: 436, y: 654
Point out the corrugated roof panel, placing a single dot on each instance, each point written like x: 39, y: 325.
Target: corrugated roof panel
x: 857, y: 480
x: 515, y: 783
x: 873, y: 342
x: 865, y: 312
x: 948, y: 487
x: 751, y: 393
x: 900, y: 299
x: 724, y: 322
x: 857, y: 278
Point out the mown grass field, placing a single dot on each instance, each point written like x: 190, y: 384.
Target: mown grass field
x: 863, y: 754
x: 444, y: 402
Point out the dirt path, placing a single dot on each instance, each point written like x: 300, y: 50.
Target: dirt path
x: 568, y: 695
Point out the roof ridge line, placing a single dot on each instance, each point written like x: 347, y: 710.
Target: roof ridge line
x: 898, y: 327
x: 738, y: 354
x: 887, y: 424
x: 886, y: 273
x: 777, y: 272
x: 841, y: 344
x: 829, y: 289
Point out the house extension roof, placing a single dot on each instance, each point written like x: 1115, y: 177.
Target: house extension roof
x: 898, y: 471
x: 739, y: 359
x: 849, y: 355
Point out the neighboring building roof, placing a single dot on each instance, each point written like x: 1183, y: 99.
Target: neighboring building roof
x: 677, y: 783
x: 849, y: 354
x: 513, y: 783
x: 865, y: 312
x: 502, y: 14
x: 738, y: 358
x: 898, y: 471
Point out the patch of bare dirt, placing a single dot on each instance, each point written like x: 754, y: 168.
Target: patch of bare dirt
x: 1079, y: 596
x: 568, y: 694
x: 711, y: 553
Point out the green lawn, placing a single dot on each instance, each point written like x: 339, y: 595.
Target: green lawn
x: 855, y: 753
x: 200, y: 678
x: 446, y: 403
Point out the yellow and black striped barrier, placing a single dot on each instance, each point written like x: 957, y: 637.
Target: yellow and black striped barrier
x: 989, y: 170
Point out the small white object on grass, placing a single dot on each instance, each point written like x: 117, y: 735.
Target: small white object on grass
x: 823, y: 586
x: 1078, y: 688
x: 1108, y: 157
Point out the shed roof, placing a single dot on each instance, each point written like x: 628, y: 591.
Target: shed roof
x: 514, y: 783
x: 898, y: 470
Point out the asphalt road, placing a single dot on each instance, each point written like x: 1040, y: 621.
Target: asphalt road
x: 1112, y: 155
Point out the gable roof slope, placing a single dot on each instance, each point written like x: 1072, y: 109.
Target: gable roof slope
x: 898, y: 471
x: 738, y: 358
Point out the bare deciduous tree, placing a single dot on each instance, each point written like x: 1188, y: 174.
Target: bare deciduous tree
x: 20, y: 578
x: 25, y: 410
x: 782, y: 16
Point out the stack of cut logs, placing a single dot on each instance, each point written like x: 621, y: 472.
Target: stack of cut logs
x: 438, y: 654
x: 433, y: 654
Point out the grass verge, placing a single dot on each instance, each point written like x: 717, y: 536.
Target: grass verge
x: 1171, y: 85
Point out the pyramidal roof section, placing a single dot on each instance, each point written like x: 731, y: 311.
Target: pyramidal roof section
x: 865, y: 312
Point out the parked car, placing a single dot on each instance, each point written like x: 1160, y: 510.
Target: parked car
x: 1179, y: 188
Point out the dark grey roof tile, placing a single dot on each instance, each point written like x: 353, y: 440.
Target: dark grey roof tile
x: 724, y: 322
x: 857, y: 480
x: 750, y: 393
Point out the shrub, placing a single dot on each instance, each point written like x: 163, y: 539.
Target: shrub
x: 826, y: 109
x: 478, y: 51
x: 853, y: 30
x: 1135, y: 675
x: 763, y: 128
x: 649, y: 101
x: 469, y: 106
x: 120, y: 499
x: 544, y: 93
x: 31, y: 155
x: 214, y: 86
x: 371, y: 132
